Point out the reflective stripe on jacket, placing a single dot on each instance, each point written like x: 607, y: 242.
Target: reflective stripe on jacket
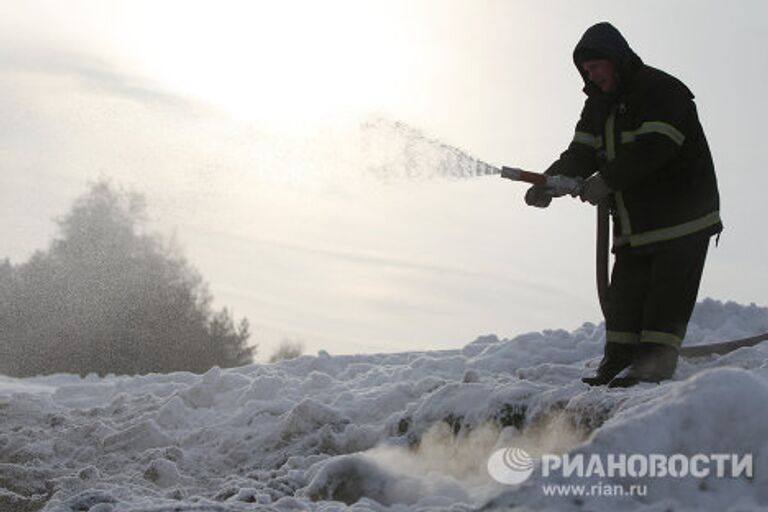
x: 648, y: 144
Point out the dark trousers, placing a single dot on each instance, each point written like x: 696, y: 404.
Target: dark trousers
x: 653, y: 292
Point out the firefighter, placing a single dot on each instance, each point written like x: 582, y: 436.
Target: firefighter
x: 641, y: 149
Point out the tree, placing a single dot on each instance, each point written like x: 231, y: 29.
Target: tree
x: 108, y: 297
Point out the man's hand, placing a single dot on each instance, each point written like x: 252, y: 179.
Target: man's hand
x: 595, y: 190
x: 539, y: 196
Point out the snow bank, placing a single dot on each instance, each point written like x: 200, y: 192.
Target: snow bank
x: 404, y: 432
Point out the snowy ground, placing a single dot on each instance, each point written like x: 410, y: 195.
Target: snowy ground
x: 400, y: 432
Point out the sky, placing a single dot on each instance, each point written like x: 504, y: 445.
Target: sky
x: 240, y: 122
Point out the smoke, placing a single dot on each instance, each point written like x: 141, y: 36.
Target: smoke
x: 443, y: 459
x: 553, y: 433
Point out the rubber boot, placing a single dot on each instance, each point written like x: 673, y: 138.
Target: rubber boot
x: 616, y: 357
x: 653, y: 363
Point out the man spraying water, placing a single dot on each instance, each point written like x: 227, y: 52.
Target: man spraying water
x: 640, y: 151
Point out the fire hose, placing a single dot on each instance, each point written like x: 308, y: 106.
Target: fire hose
x: 564, y: 185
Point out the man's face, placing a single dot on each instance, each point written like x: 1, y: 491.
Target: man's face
x: 601, y: 73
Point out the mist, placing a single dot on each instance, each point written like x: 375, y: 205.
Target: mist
x: 364, y: 222
x: 337, y: 237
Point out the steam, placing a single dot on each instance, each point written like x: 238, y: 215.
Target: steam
x: 444, y: 459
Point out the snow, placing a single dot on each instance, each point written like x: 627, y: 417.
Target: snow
x: 401, y: 432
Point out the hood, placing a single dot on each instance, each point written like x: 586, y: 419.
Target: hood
x: 605, y: 39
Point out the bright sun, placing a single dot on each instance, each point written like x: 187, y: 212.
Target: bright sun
x: 281, y: 62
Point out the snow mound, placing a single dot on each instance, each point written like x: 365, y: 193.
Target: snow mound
x: 143, y: 436
x: 401, y: 432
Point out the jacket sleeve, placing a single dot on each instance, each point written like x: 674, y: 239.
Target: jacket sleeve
x: 658, y: 138
x: 580, y: 159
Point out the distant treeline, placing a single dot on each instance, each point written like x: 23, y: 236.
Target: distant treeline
x: 107, y: 297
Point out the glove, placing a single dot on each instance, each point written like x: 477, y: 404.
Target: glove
x: 595, y: 189
x: 564, y: 185
x: 538, y: 196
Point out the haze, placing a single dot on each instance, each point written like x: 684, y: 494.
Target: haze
x: 241, y: 123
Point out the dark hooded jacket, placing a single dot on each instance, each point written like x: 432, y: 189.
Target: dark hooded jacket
x: 648, y: 145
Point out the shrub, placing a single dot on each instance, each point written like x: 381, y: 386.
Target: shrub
x: 288, y: 349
